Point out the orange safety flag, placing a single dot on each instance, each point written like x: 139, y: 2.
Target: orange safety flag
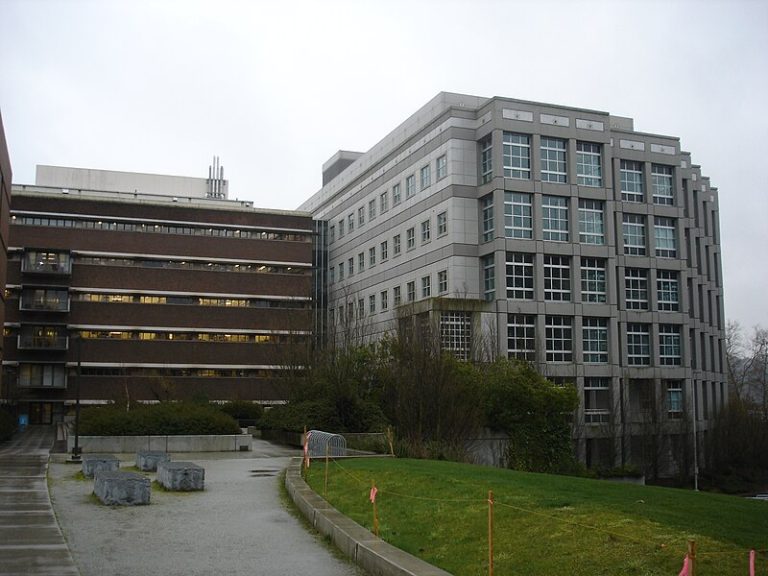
x: 686, y: 571
x: 751, y: 563
x: 306, y: 450
x: 374, y: 491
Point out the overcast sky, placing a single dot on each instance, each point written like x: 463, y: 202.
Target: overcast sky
x: 275, y: 88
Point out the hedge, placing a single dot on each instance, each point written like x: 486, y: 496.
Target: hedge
x: 166, y: 418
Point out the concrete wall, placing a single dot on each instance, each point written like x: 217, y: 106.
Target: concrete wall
x: 127, y: 444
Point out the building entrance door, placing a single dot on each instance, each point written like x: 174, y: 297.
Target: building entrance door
x: 40, y: 413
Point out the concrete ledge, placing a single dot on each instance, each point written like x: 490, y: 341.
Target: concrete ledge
x: 372, y: 554
x: 99, y: 462
x: 121, y: 488
x: 128, y: 444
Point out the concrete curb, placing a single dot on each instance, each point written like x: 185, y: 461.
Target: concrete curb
x: 372, y: 554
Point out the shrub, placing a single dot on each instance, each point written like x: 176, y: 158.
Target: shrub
x: 243, y: 410
x: 324, y: 415
x: 166, y: 418
x: 7, y: 425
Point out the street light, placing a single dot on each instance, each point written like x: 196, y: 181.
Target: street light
x: 76, y: 448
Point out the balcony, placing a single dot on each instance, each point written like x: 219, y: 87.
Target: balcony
x: 43, y: 338
x: 44, y: 300
x: 43, y: 262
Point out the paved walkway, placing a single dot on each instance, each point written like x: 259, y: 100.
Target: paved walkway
x: 237, y: 525
x: 30, y: 539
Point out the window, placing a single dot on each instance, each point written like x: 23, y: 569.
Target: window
x: 442, y: 167
x: 410, y: 186
x: 559, y: 339
x: 518, y: 219
x: 442, y: 223
x: 42, y: 376
x: 410, y: 289
x: 661, y: 184
x: 384, y: 202
x: 396, y: 299
x: 667, y: 290
x: 372, y: 209
x: 360, y: 216
x: 486, y: 159
x: 553, y: 167
x: 456, y: 333
x: 360, y: 308
x: 633, y: 226
x: 519, y: 276
x: 517, y: 156
x: 486, y: 211
x: 591, y: 222
x: 426, y: 286
x: 383, y: 250
x: 442, y: 282
x: 350, y: 267
x: 361, y: 262
x: 631, y: 181
x: 396, y: 244
x: 521, y: 342
x: 426, y: 176
x: 426, y: 233
x: 669, y: 345
x: 636, y: 288
x: 332, y: 234
x: 371, y: 256
x: 396, y: 195
x: 593, y: 283
x: 665, y: 236
x: 372, y: 304
x: 638, y: 345
x: 674, y: 398
x: 341, y: 271
x: 341, y: 228
x: 350, y: 223
x: 595, y: 339
x: 555, y: 218
x: 557, y: 278
x: 597, y: 400
x: 384, y: 300
x: 589, y: 170
x: 489, y: 278
x: 410, y: 238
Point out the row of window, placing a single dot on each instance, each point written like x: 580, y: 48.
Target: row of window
x: 520, y: 284
x: 185, y: 336
x: 380, y: 253
x: 381, y: 204
x: 380, y: 302
x: 188, y: 300
x: 599, y: 405
x: 553, y: 156
x: 162, y: 228
x: 555, y: 223
x: 559, y: 338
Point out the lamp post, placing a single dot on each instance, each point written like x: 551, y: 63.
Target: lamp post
x: 76, y: 448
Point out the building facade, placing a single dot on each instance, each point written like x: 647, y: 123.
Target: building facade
x: 5, y: 204
x: 144, y: 296
x: 558, y: 235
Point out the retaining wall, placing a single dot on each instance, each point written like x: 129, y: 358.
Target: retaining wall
x: 374, y: 555
x: 126, y: 444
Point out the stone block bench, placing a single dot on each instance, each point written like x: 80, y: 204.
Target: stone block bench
x: 147, y: 460
x: 121, y: 488
x: 181, y: 476
x: 93, y: 463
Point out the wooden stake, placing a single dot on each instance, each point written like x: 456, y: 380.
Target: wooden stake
x: 375, y: 512
x: 692, y: 557
x: 325, y: 485
x: 490, y: 532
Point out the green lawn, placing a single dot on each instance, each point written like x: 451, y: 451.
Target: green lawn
x: 544, y: 524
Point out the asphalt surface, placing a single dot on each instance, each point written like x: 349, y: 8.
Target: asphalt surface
x: 238, y: 525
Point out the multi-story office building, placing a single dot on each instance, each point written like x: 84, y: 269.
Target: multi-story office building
x: 5, y: 203
x: 558, y: 235
x: 142, y: 294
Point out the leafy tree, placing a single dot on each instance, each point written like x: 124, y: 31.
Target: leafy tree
x: 534, y: 412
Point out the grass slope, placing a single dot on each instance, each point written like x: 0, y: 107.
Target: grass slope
x: 544, y: 524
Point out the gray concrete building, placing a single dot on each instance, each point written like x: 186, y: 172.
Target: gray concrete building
x: 559, y: 235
